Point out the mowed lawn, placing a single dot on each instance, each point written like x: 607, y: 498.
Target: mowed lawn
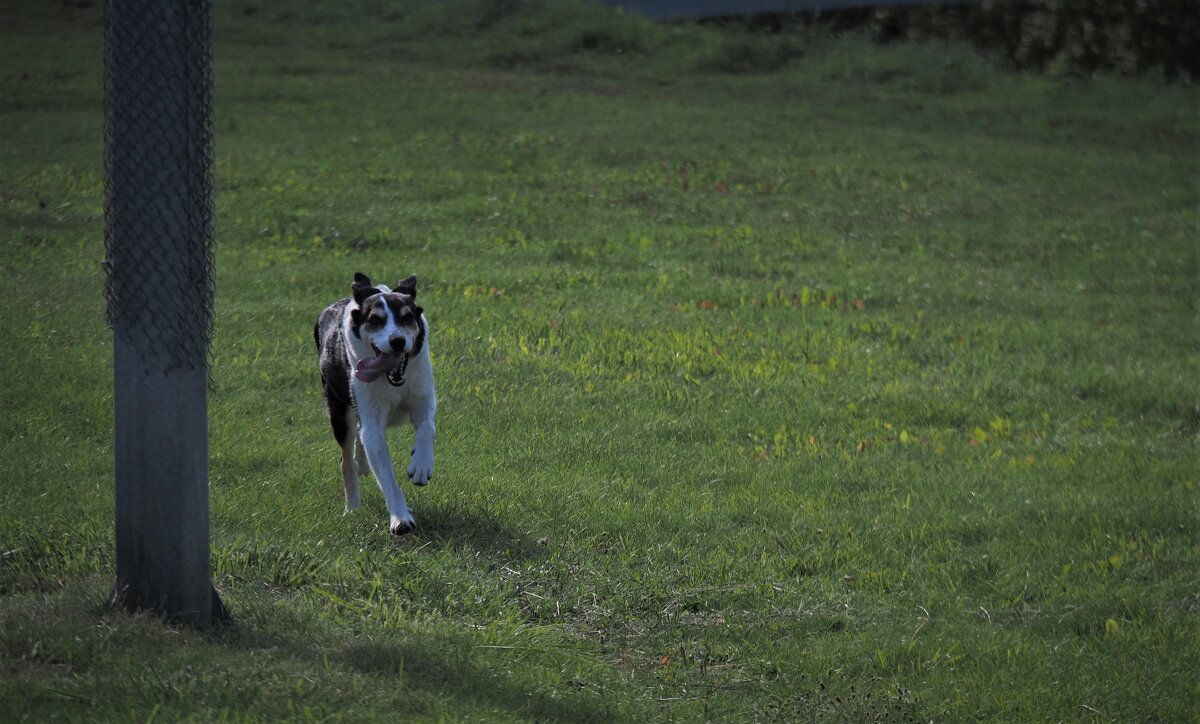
x: 862, y: 384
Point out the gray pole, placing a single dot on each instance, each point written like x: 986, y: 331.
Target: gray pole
x: 159, y: 258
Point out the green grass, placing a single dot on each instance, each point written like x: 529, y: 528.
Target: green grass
x: 780, y: 378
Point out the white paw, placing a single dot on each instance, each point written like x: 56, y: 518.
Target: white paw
x: 420, y: 470
x: 403, y: 524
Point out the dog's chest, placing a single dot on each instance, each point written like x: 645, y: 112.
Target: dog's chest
x: 381, y: 401
x: 381, y: 393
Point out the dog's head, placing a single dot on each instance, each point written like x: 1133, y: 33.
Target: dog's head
x: 388, y: 319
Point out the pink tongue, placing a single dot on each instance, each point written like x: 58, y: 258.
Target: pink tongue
x: 370, y: 369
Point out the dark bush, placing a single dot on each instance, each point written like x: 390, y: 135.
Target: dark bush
x: 1159, y: 37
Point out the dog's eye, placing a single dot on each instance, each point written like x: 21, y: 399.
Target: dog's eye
x: 376, y: 320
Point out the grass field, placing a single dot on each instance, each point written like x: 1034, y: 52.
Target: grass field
x: 781, y: 378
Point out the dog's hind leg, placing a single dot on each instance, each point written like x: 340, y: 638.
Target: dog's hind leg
x: 341, y: 419
x: 360, y: 455
x: 350, y: 475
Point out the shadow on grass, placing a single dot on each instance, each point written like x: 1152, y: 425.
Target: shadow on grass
x: 138, y: 663
x: 426, y: 665
x: 454, y: 526
x: 457, y: 526
x: 415, y: 669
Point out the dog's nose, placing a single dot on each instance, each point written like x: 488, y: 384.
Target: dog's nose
x: 397, y: 344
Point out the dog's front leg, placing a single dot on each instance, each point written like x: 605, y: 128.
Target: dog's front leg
x: 420, y: 469
x: 373, y: 439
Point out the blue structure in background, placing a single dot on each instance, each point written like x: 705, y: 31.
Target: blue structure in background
x: 691, y: 9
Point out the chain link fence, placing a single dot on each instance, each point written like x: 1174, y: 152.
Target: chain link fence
x: 158, y: 171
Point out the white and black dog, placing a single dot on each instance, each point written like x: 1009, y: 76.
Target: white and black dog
x: 376, y: 372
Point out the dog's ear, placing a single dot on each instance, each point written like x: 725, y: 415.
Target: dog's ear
x: 362, y: 288
x: 355, y: 321
x: 362, y: 294
x: 407, y: 286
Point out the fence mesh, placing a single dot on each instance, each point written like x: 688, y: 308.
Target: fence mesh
x: 158, y: 171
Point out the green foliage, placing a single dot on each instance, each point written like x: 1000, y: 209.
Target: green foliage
x: 752, y: 53
x: 861, y: 387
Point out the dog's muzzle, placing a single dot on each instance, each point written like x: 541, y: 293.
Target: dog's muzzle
x: 392, y: 364
x: 395, y: 376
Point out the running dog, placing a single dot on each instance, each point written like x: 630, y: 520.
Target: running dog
x: 376, y: 373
